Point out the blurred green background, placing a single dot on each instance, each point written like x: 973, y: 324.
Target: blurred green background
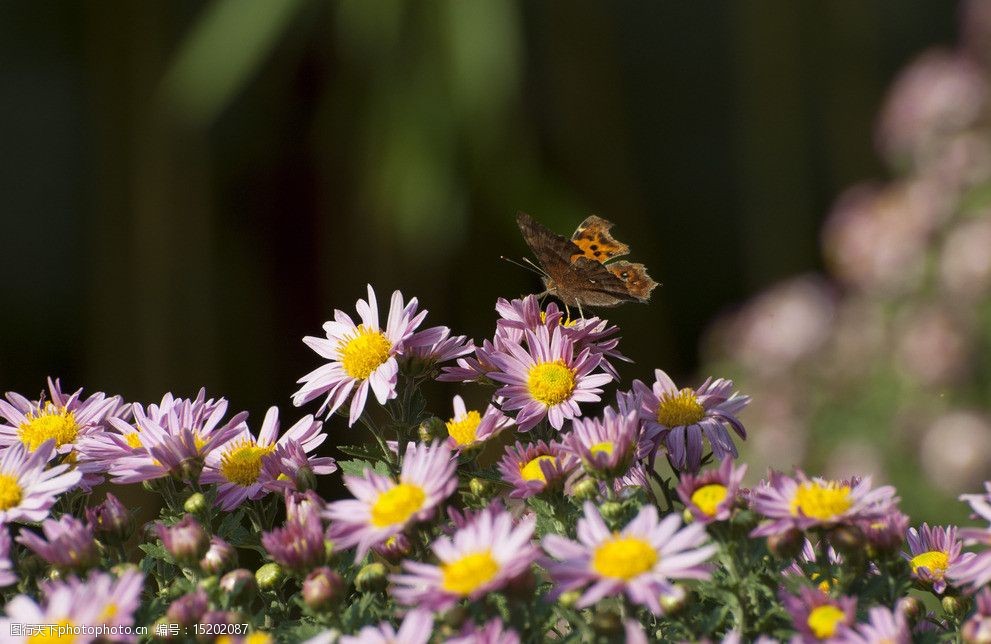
x: 190, y: 187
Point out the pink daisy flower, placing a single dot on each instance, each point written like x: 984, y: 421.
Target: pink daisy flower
x: 480, y: 558
x: 546, y: 380
x: 176, y: 440
x: 8, y: 574
x: 682, y: 417
x: 28, y: 488
x: 884, y: 626
x: 976, y: 572
x: 291, y: 468
x: 68, y: 543
x: 804, y: 502
x: 468, y: 428
x: 474, y: 368
x: 363, y: 356
x: 711, y: 495
x: 606, y: 446
x: 68, y: 419
x: 932, y: 551
x: 639, y: 560
x: 237, y: 465
x: 383, y: 506
x: 817, y: 616
x: 493, y: 632
x: 533, y: 468
x: 417, y: 627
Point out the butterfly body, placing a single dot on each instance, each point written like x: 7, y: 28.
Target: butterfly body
x: 575, y: 270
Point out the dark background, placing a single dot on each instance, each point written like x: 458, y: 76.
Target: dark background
x: 189, y: 188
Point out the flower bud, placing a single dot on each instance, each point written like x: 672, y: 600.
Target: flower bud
x: 607, y: 623
x: 238, y: 583
x: 186, y: 541
x: 323, y: 589
x: 687, y: 516
x: 455, y: 617
x: 305, y: 479
x: 911, y: 608
x: 269, y: 576
x: 570, y: 598
x: 394, y: 549
x: 521, y: 587
x: 955, y: 606
x: 220, y: 556
x: 371, y: 578
x: 431, y: 429
x: 847, y: 539
x: 585, y: 490
x: 612, y: 511
x: 674, y: 602
x: 188, y: 609
x: 786, y: 545
x: 195, y: 504
x: 111, y: 521
x: 480, y: 488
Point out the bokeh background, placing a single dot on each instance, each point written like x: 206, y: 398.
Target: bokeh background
x: 190, y: 187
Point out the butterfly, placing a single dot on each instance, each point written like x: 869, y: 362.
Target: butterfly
x: 575, y: 270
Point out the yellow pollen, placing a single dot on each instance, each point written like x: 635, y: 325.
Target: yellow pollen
x: 397, y: 505
x: 823, y: 620
x: 825, y: 585
x: 108, y: 612
x: 10, y: 492
x: 550, y: 383
x: 364, y: 353
x: 49, y: 633
x: 242, y: 462
x: 708, y: 497
x: 531, y: 471
x: 936, y: 561
x: 258, y: 637
x: 605, y: 447
x: 467, y: 574
x: 50, y: 422
x: 463, y: 430
x: 624, y: 558
x: 821, y: 501
x: 134, y: 440
x: 564, y: 321
x: 680, y: 409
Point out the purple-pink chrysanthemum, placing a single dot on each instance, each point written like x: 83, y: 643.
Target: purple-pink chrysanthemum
x: 480, y: 558
x: 28, y: 488
x: 932, y: 551
x: 469, y: 428
x: 711, y: 495
x: 682, y: 417
x: 640, y: 560
x: 535, y: 467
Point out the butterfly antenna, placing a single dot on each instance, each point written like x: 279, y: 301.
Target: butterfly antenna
x: 527, y: 266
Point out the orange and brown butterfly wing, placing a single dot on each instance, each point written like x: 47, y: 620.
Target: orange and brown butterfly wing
x: 594, y: 284
x: 634, y: 276
x: 594, y: 241
x: 553, y: 251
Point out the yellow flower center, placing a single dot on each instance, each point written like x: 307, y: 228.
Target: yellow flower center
x: 821, y: 501
x: 108, y: 612
x: 364, y: 353
x: 10, y: 492
x: 44, y: 424
x: 825, y: 585
x: 605, y: 447
x: 564, y: 321
x: 708, y: 497
x: 680, y: 409
x: 624, y: 558
x: 936, y: 561
x: 134, y: 440
x: 464, y: 576
x: 550, y: 383
x: 463, y: 430
x: 397, y: 505
x: 531, y: 471
x: 242, y: 462
x: 258, y: 637
x: 49, y: 633
x: 823, y: 620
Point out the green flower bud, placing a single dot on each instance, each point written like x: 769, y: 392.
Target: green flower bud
x: 911, y: 608
x: 371, y: 578
x: 195, y: 504
x: 570, y: 598
x: 239, y: 583
x: 480, y: 487
x: 322, y: 589
x: 585, y: 490
x: 269, y: 576
x: 955, y: 606
x: 431, y: 429
x: 455, y: 617
x: 607, y: 623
